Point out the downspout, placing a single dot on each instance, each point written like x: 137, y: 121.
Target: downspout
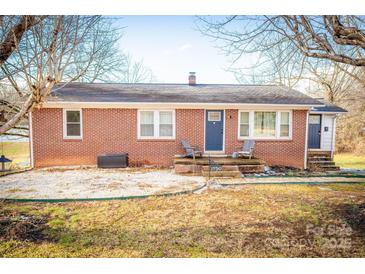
x: 333, y: 136
x: 306, y: 141
x: 30, y: 122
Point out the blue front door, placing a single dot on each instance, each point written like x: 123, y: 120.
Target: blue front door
x: 214, y: 120
x: 314, y: 134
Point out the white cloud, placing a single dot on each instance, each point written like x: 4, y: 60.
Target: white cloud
x: 185, y: 47
x: 174, y: 51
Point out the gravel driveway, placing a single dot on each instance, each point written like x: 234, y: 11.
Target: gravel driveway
x: 94, y: 183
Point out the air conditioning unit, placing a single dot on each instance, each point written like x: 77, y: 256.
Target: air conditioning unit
x: 112, y: 160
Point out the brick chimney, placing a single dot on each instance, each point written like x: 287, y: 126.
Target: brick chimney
x: 192, y: 79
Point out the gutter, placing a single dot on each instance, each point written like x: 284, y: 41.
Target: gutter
x: 170, y: 105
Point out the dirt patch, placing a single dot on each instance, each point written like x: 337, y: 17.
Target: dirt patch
x: 354, y: 214
x: 23, y: 227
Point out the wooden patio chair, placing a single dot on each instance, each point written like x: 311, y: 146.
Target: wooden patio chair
x: 190, y: 151
x: 247, y: 149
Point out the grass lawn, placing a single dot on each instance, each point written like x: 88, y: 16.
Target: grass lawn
x: 247, y: 221
x: 350, y: 161
x: 16, y: 151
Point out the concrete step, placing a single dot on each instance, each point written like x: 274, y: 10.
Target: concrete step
x: 226, y: 173
x: 331, y: 167
x: 321, y: 163
x: 325, y: 168
x: 251, y: 168
x: 319, y: 153
x: 223, y: 168
x: 220, y: 161
x: 319, y: 158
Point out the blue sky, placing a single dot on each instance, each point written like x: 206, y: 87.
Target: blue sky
x: 171, y: 46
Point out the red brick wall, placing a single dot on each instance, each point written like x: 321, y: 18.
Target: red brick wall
x: 109, y: 131
x: 115, y: 130
x: 285, y: 152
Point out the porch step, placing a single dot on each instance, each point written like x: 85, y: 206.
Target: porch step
x: 319, y: 159
x: 239, y: 168
x: 323, y: 166
x: 319, y: 153
x: 224, y: 168
x: 322, y: 162
x: 218, y: 160
x: 222, y: 173
x: 228, y: 166
x: 251, y: 168
x: 329, y: 167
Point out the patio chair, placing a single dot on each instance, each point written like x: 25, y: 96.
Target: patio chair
x: 190, y: 151
x: 247, y: 149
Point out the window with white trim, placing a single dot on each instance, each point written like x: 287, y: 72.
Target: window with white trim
x: 156, y: 124
x: 284, y: 123
x: 244, y: 124
x: 264, y: 124
x: 72, y: 124
x: 166, y: 124
x: 147, y: 124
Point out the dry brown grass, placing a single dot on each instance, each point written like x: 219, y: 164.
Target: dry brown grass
x: 246, y: 221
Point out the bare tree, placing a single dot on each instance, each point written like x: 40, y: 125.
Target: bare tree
x: 288, y: 43
x: 135, y: 72
x: 12, y: 30
x: 334, y: 83
x: 337, y: 38
x: 326, y: 51
x: 53, y: 50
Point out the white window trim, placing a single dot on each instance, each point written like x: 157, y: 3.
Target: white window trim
x: 65, y: 136
x: 156, y: 124
x: 277, y: 125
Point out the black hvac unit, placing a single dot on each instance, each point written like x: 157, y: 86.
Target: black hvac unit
x: 113, y: 160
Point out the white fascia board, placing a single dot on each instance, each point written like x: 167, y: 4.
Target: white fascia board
x: 327, y: 112
x: 136, y: 105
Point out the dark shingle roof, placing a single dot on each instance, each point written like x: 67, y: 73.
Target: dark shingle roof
x: 328, y: 107
x: 180, y: 93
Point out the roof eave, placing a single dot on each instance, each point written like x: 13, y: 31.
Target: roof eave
x: 65, y: 104
x: 328, y: 112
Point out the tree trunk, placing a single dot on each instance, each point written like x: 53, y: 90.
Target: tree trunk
x: 28, y: 104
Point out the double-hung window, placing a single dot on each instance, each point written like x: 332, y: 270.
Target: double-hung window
x: 72, y: 124
x: 284, y: 123
x: 244, y: 126
x: 264, y: 124
x: 146, y: 119
x: 156, y: 124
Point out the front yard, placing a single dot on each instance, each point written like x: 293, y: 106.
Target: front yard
x: 241, y: 221
x: 16, y: 151
x: 350, y: 161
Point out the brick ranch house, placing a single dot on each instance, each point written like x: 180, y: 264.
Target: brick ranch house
x: 148, y: 121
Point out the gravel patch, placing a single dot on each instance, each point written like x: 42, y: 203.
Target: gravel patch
x: 94, y: 183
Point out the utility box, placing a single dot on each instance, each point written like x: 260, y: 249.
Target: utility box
x: 112, y: 160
